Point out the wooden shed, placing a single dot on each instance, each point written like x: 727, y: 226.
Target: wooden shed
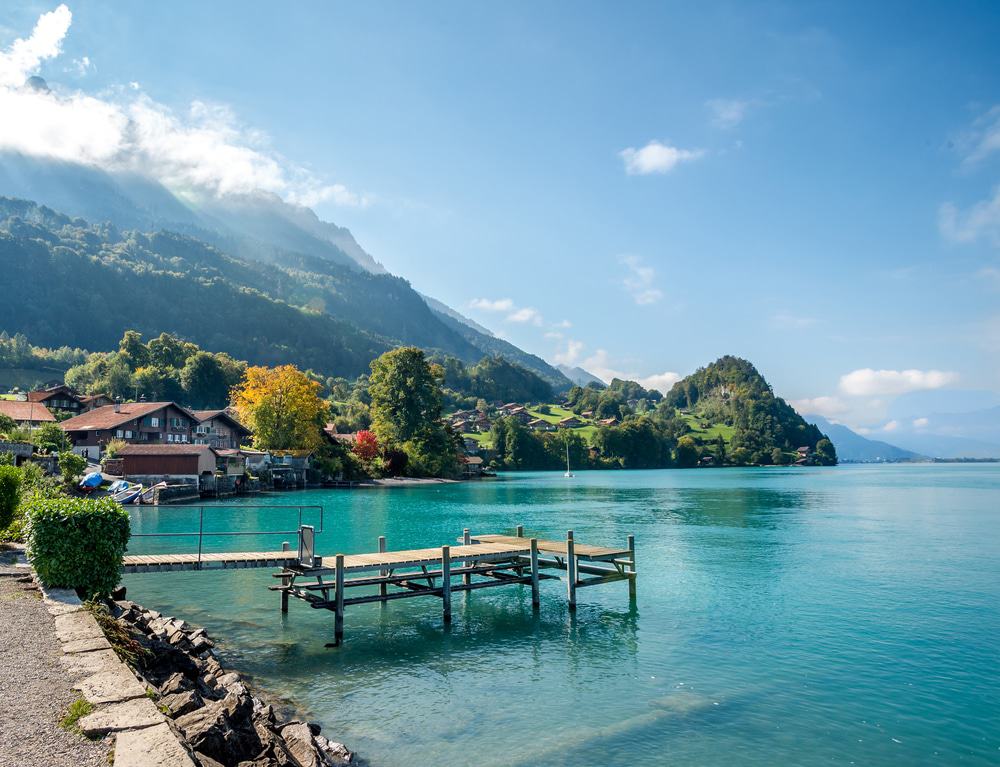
x: 167, y: 460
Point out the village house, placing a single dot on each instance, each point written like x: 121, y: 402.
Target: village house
x: 470, y: 445
x: 587, y: 413
x: 219, y: 429
x: 59, y: 398
x: 572, y: 422
x: 150, y: 464
x: 135, y: 422
x: 26, y: 414
x: 608, y: 421
x: 521, y: 415
x: 540, y: 424
x: 472, y: 466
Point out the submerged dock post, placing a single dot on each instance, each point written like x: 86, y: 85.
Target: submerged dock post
x: 382, y: 589
x: 570, y: 570
x: 631, y: 581
x: 534, y: 573
x: 286, y: 581
x: 520, y: 531
x: 446, y: 582
x: 466, y: 541
x: 338, y: 620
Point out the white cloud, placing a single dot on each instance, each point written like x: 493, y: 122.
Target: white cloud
x: 492, y: 305
x: 659, y: 381
x: 868, y: 382
x: 919, y: 423
x: 600, y: 365
x: 639, y: 281
x: 980, y: 222
x: 984, y: 137
x: 727, y: 113
x: 81, y: 66
x: 828, y: 407
x: 656, y: 158
x: 25, y: 55
x: 570, y: 354
x: 891, y: 426
x: 792, y: 321
x: 525, y: 314
x: 204, y: 151
x: 564, y: 324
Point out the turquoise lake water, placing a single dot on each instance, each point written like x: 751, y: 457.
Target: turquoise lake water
x: 848, y: 615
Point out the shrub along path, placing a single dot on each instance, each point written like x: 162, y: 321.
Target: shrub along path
x: 34, y: 687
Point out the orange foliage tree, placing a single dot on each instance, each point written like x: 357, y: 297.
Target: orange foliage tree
x: 282, y: 407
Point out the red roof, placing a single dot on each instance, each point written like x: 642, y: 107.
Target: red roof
x: 168, y: 449
x: 25, y: 411
x: 108, y: 418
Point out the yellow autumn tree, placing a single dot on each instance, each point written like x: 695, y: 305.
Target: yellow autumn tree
x: 282, y: 406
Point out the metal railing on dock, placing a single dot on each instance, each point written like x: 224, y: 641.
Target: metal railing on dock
x: 197, y: 561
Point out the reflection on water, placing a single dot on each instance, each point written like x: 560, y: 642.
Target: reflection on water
x: 783, y: 616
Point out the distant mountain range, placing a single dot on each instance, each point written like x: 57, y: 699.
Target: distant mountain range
x: 853, y: 448
x: 229, y: 250
x: 579, y: 376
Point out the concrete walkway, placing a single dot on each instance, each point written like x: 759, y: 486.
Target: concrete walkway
x: 35, y: 689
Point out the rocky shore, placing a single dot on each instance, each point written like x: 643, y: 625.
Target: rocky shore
x: 221, y: 721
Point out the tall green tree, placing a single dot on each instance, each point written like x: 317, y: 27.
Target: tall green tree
x: 207, y: 381
x: 405, y: 396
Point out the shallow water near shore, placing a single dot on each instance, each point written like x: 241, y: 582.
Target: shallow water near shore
x: 784, y: 616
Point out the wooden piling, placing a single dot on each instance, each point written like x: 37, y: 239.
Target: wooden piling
x: 570, y: 570
x: 446, y: 582
x: 534, y: 573
x: 382, y: 588
x: 467, y: 541
x: 520, y: 531
x: 286, y: 580
x: 338, y: 621
x: 631, y: 581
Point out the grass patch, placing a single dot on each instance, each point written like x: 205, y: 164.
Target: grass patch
x: 78, y: 709
x: 122, y: 642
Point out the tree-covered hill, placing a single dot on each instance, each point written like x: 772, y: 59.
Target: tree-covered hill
x: 732, y: 397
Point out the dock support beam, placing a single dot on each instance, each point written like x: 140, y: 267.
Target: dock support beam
x: 382, y: 589
x: 338, y: 620
x: 520, y: 531
x: 467, y: 541
x: 446, y: 582
x: 534, y: 573
x: 570, y: 570
x: 286, y: 581
x: 631, y: 581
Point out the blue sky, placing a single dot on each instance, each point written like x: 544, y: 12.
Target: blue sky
x: 637, y: 188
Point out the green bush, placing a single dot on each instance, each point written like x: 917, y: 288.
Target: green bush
x: 77, y: 543
x: 71, y: 467
x: 10, y: 494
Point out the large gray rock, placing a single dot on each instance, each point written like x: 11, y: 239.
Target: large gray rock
x: 222, y: 729
x: 155, y: 746
x: 61, y: 601
x: 75, y: 626
x: 299, y: 740
x: 336, y: 754
x: 181, y: 703
x: 130, y: 715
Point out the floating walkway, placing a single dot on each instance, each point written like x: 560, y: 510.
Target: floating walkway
x: 477, y: 562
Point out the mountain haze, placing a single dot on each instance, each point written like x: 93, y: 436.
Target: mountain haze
x: 853, y: 448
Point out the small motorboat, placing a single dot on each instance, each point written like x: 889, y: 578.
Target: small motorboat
x: 128, y: 495
x: 91, y: 481
x: 117, y: 486
x: 149, y: 494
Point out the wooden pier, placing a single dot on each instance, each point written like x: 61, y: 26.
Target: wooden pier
x: 477, y: 562
x: 482, y: 561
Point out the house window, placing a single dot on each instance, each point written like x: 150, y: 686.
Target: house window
x: 128, y: 434
x: 119, y: 433
x: 154, y: 421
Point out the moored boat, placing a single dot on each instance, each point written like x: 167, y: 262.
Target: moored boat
x: 128, y: 495
x: 149, y: 494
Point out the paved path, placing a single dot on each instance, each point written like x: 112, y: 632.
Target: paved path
x: 34, y: 686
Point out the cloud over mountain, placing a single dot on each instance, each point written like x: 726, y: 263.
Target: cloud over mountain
x: 204, y: 151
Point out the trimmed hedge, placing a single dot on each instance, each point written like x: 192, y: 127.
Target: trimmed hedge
x: 78, y: 543
x: 10, y: 494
